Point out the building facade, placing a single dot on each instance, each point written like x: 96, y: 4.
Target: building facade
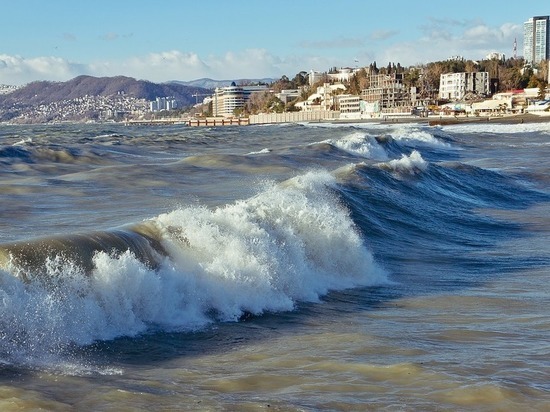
x: 536, y: 39
x: 314, y: 77
x: 349, y: 105
x: 388, y: 92
x: 162, y: 103
x: 227, y: 99
x: 455, y: 86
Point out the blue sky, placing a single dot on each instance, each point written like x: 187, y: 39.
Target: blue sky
x: 186, y: 40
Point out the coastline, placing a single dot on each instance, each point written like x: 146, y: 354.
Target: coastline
x: 434, y: 120
x: 508, y: 119
x: 453, y: 120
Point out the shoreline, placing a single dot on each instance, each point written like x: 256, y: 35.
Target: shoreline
x: 452, y: 120
x: 434, y: 120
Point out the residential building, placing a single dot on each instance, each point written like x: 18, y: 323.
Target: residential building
x: 389, y: 92
x: 349, y: 106
x: 455, y: 59
x: 227, y: 99
x: 536, y: 39
x: 6, y: 88
x: 314, y: 77
x: 495, y: 56
x: 162, y: 103
x: 343, y: 75
x: 288, y: 95
x: 323, y: 99
x: 455, y: 86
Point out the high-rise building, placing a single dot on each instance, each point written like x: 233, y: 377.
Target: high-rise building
x: 536, y: 39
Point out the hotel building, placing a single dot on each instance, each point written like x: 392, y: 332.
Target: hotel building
x: 227, y: 99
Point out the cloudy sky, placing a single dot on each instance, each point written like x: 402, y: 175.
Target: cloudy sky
x: 186, y: 40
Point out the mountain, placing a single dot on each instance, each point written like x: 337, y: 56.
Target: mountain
x: 45, y: 92
x: 207, y: 83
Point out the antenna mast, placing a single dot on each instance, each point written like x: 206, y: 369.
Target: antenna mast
x: 515, y: 49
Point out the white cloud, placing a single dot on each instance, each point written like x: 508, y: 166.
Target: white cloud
x: 158, y: 67
x: 471, y: 40
x: 19, y: 70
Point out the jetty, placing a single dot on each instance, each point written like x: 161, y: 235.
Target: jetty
x: 194, y: 121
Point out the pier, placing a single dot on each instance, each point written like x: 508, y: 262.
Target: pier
x: 194, y: 122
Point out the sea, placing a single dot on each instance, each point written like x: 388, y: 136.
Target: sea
x: 390, y: 266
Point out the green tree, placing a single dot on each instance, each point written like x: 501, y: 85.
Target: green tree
x: 299, y: 80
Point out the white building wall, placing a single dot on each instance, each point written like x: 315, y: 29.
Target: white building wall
x: 454, y: 86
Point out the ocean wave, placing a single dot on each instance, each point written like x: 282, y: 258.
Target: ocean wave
x: 414, y: 133
x: 263, y: 151
x: 29, y: 153
x: 361, y: 144
x: 406, y: 164
x: 293, y: 242
x: 23, y: 141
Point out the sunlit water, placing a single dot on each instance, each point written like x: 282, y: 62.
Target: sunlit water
x: 294, y: 267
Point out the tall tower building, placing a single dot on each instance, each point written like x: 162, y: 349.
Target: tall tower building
x: 536, y: 39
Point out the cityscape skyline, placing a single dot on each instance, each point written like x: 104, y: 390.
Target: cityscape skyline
x: 178, y: 41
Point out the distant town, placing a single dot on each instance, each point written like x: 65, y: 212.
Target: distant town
x: 492, y: 86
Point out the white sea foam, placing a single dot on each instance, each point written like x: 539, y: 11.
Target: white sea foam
x: 292, y: 242
x: 361, y: 144
x: 415, y: 133
x: 263, y: 151
x: 23, y: 142
x: 406, y: 164
x: 498, y: 128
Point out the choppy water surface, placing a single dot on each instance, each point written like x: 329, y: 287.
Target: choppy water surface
x: 291, y: 267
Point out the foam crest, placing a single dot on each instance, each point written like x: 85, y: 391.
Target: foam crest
x: 361, y: 144
x: 293, y: 242
x: 263, y: 151
x: 416, y: 134
x: 406, y: 164
x: 23, y: 142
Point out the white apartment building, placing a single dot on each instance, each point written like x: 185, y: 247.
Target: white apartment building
x: 455, y: 86
x: 536, y: 39
x: 349, y: 106
x: 323, y: 99
x: 162, y: 103
x: 227, y: 99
